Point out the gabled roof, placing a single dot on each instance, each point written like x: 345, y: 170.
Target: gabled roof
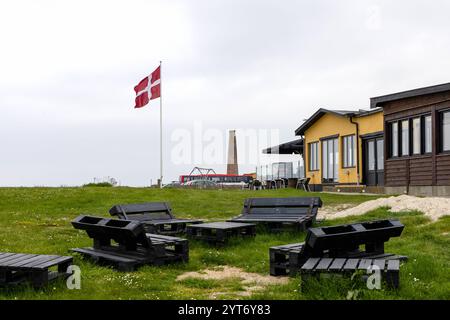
x: 378, y: 101
x: 343, y: 113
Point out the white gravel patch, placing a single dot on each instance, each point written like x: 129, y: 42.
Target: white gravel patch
x: 434, y: 208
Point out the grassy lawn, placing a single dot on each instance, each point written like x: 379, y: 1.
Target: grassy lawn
x: 37, y: 220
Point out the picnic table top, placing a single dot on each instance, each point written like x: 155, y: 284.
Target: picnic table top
x: 221, y: 225
x: 24, y: 261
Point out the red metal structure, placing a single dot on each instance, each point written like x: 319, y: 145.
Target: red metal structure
x: 209, y: 174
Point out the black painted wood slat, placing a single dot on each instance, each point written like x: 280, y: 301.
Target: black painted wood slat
x: 52, y: 262
x: 364, y: 264
x: 310, y: 264
x: 351, y: 265
x: 12, y: 257
x: 337, y: 264
x: 21, y: 261
x: 323, y: 264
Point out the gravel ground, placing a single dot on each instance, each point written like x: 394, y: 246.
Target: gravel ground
x: 434, y: 208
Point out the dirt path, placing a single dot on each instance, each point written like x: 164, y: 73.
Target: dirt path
x: 432, y: 207
x: 251, y: 281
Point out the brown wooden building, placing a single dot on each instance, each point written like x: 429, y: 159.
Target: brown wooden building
x: 417, y: 140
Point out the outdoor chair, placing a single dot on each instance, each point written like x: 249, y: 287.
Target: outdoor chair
x: 271, y: 184
x: 277, y: 213
x: 157, y: 217
x: 256, y: 185
x: 125, y: 245
x: 304, y: 184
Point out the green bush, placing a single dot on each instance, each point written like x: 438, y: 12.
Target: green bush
x: 100, y: 184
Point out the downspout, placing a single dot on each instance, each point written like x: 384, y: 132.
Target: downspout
x: 303, y: 156
x: 357, y: 149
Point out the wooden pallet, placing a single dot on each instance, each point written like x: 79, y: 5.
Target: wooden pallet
x: 390, y: 268
x: 341, y: 240
x: 288, y: 259
x: 359, y: 240
x: 285, y: 259
x: 134, y: 247
x: 156, y: 217
x: 19, y: 268
x: 220, y: 232
x: 168, y: 227
x: 278, y: 213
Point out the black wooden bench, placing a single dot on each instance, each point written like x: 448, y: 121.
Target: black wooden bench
x: 220, y: 232
x: 288, y: 259
x: 277, y: 213
x: 132, y: 246
x: 157, y: 217
x: 357, y: 241
x: 389, y: 268
x: 35, y: 269
x: 347, y: 240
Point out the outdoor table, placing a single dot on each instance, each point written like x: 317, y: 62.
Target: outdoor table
x: 220, y: 232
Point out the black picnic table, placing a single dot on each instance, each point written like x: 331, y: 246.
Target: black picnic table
x: 19, y: 268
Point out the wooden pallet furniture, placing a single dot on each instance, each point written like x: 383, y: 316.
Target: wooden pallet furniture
x: 351, y: 239
x: 124, y: 244
x: 278, y: 213
x: 157, y: 217
x: 35, y: 269
x: 356, y: 241
x: 220, y: 232
x: 288, y: 259
x: 285, y: 259
x: 389, y: 268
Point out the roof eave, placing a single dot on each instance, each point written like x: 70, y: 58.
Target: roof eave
x: 376, y: 102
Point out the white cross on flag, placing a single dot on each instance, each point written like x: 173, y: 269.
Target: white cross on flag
x: 148, y: 89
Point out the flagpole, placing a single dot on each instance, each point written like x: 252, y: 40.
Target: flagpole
x: 160, y: 127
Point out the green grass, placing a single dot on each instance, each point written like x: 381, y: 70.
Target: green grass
x: 37, y: 220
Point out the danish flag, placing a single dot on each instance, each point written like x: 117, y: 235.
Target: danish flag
x: 148, y: 89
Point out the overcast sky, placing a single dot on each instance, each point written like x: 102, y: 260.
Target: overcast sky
x: 67, y: 72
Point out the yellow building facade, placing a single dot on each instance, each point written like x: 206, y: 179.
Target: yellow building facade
x: 334, y: 148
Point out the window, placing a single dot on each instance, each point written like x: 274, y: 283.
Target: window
x: 405, y: 138
x: 416, y: 136
x: 314, y: 156
x: 380, y: 154
x: 330, y: 160
x: 445, y: 131
x: 394, y: 139
x: 428, y: 136
x: 348, y: 151
x: 371, y: 155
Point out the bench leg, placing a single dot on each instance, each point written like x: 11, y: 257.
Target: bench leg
x: 39, y: 278
x: 375, y: 247
x: 62, y: 268
x: 5, y: 276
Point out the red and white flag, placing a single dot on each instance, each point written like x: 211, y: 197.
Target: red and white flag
x: 148, y: 89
